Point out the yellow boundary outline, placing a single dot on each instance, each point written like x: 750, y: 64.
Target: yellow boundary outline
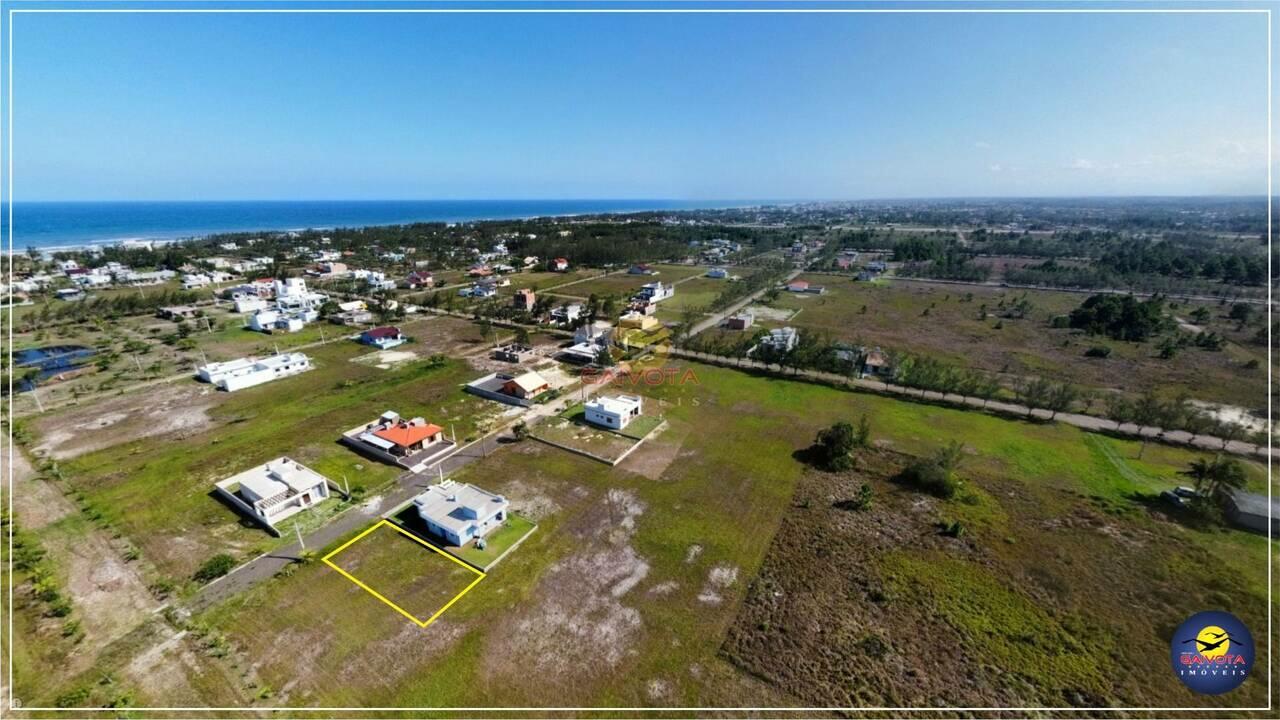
x: 420, y: 541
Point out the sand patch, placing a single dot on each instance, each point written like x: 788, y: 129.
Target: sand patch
x: 154, y: 411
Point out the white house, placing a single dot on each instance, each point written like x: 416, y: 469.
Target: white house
x: 277, y: 489
x: 614, y: 412
x: 250, y: 304
x: 599, y: 332
x: 460, y: 513
x: 718, y: 273
x: 247, y: 372
x: 195, y: 280
x: 566, y: 314
x: 655, y: 292
x: 781, y: 339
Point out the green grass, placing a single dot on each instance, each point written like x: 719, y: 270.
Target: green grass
x: 496, y: 542
x: 301, y: 417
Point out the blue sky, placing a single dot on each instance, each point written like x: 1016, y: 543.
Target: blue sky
x: 725, y: 106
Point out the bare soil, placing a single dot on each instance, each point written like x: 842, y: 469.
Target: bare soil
x: 182, y: 407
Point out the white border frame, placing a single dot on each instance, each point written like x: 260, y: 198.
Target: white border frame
x: 308, y: 711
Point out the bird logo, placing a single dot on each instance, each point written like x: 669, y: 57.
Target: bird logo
x: 1211, y: 642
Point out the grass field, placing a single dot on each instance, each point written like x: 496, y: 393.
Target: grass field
x: 629, y: 588
x: 943, y: 321
x: 301, y: 417
x: 624, y: 283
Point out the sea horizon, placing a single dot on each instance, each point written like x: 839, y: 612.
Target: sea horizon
x: 76, y: 224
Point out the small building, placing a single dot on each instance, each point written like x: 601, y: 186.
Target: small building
x: 416, y: 279
x: 741, y: 321
x: 514, y: 353
x: 717, y: 273
x: 1252, y: 511
x: 460, y: 513
x: 523, y: 300
x: 247, y: 372
x: 638, y: 321
x: 526, y: 386
x: 566, y: 314
x: 383, y: 338
x: 249, y: 303
x: 412, y: 444
x: 803, y: 286
x: 583, y: 353
x: 655, y: 292
x: 614, y: 412
x: 641, y: 269
x: 559, y: 265
x: 781, y: 340
x: 177, y: 312
x: 479, y: 271
x: 275, y: 490
x: 875, y: 363
x: 599, y: 332
x: 357, y: 316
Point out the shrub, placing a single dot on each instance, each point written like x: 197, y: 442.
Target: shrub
x: 214, y: 568
x: 930, y: 477
x: 1098, y: 351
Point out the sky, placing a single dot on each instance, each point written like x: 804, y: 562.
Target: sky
x: 707, y: 106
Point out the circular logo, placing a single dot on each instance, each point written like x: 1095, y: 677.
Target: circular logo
x: 1212, y: 652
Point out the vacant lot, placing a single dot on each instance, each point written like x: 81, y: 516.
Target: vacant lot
x: 156, y: 489
x: 416, y: 578
x: 624, y: 283
x: 980, y: 327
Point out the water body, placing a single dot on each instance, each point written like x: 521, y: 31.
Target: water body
x: 49, y: 361
x: 49, y: 225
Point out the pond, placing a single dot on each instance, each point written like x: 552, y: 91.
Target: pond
x: 48, y: 362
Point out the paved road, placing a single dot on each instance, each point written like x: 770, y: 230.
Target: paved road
x: 716, y: 318
x: 1087, y: 422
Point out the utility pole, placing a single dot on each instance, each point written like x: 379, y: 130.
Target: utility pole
x: 345, y: 486
x: 301, y: 542
x: 36, y: 395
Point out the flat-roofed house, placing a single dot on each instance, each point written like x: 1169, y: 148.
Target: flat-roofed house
x: 249, y: 371
x: 1253, y: 511
x: 275, y: 490
x: 523, y: 300
x: 741, y: 321
x: 613, y: 412
x: 460, y: 513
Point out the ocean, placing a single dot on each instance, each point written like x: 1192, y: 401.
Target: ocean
x: 53, y: 225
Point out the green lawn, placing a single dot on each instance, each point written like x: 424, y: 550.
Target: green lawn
x: 497, y: 542
x: 301, y: 417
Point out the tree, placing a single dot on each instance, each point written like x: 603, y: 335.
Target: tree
x: 1060, y: 398
x: 834, y: 446
x: 1215, y: 478
x: 1034, y: 393
x: 214, y: 568
x: 604, y: 357
x: 522, y: 336
x: 520, y: 430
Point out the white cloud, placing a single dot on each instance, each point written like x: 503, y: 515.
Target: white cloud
x: 995, y: 167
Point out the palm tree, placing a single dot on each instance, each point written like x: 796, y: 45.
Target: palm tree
x: 1214, y: 478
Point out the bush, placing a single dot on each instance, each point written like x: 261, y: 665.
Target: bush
x: 930, y: 477
x: 214, y: 568
x: 1098, y: 351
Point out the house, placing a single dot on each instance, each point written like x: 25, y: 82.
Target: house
x: 523, y: 300
x: 329, y: 269
x: 638, y: 321
x: 559, y: 265
x: 275, y: 490
x: 460, y: 513
x: 598, y: 333
x: 877, y: 266
x: 654, y: 292
x: 583, y: 353
x: 411, y: 443
x: 614, y: 412
x: 717, y: 273
x: 249, y: 303
x: 248, y: 371
x: 514, y: 353
x: 1252, y: 511
x: 478, y: 271
x: 195, y: 280
x: 802, y: 286
x: 272, y: 320
x: 177, y: 312
x: 566, y: 314
x: 384, y: 337
x: 781, y: 340
x: 417, y: 279
x: 483, y: 290
x: 741, y: 321
x: 526, y: 386
x: 875, y: 363
x: 69, y: 294
x: 641, y: 269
